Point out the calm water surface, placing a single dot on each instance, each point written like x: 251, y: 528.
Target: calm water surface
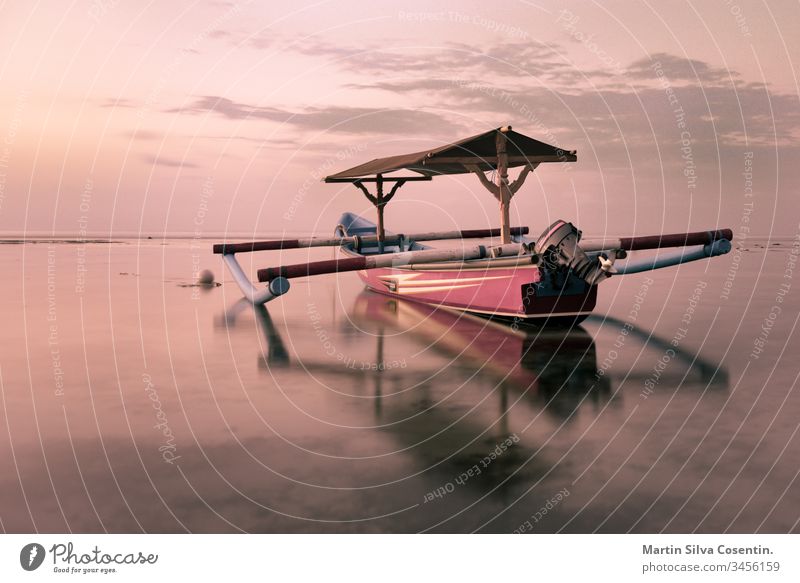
x: 134, y: 402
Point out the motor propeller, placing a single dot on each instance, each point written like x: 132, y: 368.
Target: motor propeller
x: 607, y: 264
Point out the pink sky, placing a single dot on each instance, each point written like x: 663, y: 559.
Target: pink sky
x: 179, y: 117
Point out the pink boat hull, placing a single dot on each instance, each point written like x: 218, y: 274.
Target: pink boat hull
x: 509, y: 293
x: 514, y: 292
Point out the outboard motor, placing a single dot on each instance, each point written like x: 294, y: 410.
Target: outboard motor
x: 558, y: 245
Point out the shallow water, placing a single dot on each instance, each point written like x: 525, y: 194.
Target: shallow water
x: 133, y: 402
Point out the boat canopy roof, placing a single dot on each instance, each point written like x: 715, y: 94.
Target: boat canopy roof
x: 462, y: 157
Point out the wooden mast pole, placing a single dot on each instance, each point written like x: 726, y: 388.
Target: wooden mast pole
x: 501, y: 181
x: 379, y: 204
x: 500, y: 188
x: 380, y: 200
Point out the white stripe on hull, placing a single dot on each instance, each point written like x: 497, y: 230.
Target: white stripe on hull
x: 408, y: 280
x: 437, y: 288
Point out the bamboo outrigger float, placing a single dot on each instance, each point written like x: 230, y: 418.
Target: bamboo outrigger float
x: 555, y: 276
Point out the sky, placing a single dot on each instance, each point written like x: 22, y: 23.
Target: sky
x: 214, y: 117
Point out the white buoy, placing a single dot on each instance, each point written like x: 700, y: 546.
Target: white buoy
x: 206, y: 277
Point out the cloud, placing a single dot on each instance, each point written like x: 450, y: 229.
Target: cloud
x: 506, y: 59
x: 272, y: 141
x: 168, y: 162
x: 720, y: 109
x: 119, y: 102
x: 146, y: 135
x: 678, y: 68
x: 534, y: 87
x: 356, y: 120
x: 219, y: 33
x: 509, y: 58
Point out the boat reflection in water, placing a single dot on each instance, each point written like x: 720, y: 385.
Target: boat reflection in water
x: 493, y: 381
x: 468, y: 385
x: 451, y: 403
x: 555, y: 368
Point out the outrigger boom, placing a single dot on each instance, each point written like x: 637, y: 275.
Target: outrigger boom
x: 658, y: 241
x: 281, y: 244
x: 394, y: 260
x: 555, y: 276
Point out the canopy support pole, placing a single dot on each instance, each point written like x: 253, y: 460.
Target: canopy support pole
x: 501, y: 181
x: 380, y: 200
x: 501, y: 189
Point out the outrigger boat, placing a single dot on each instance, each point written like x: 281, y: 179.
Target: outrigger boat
x: 519, y: 279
